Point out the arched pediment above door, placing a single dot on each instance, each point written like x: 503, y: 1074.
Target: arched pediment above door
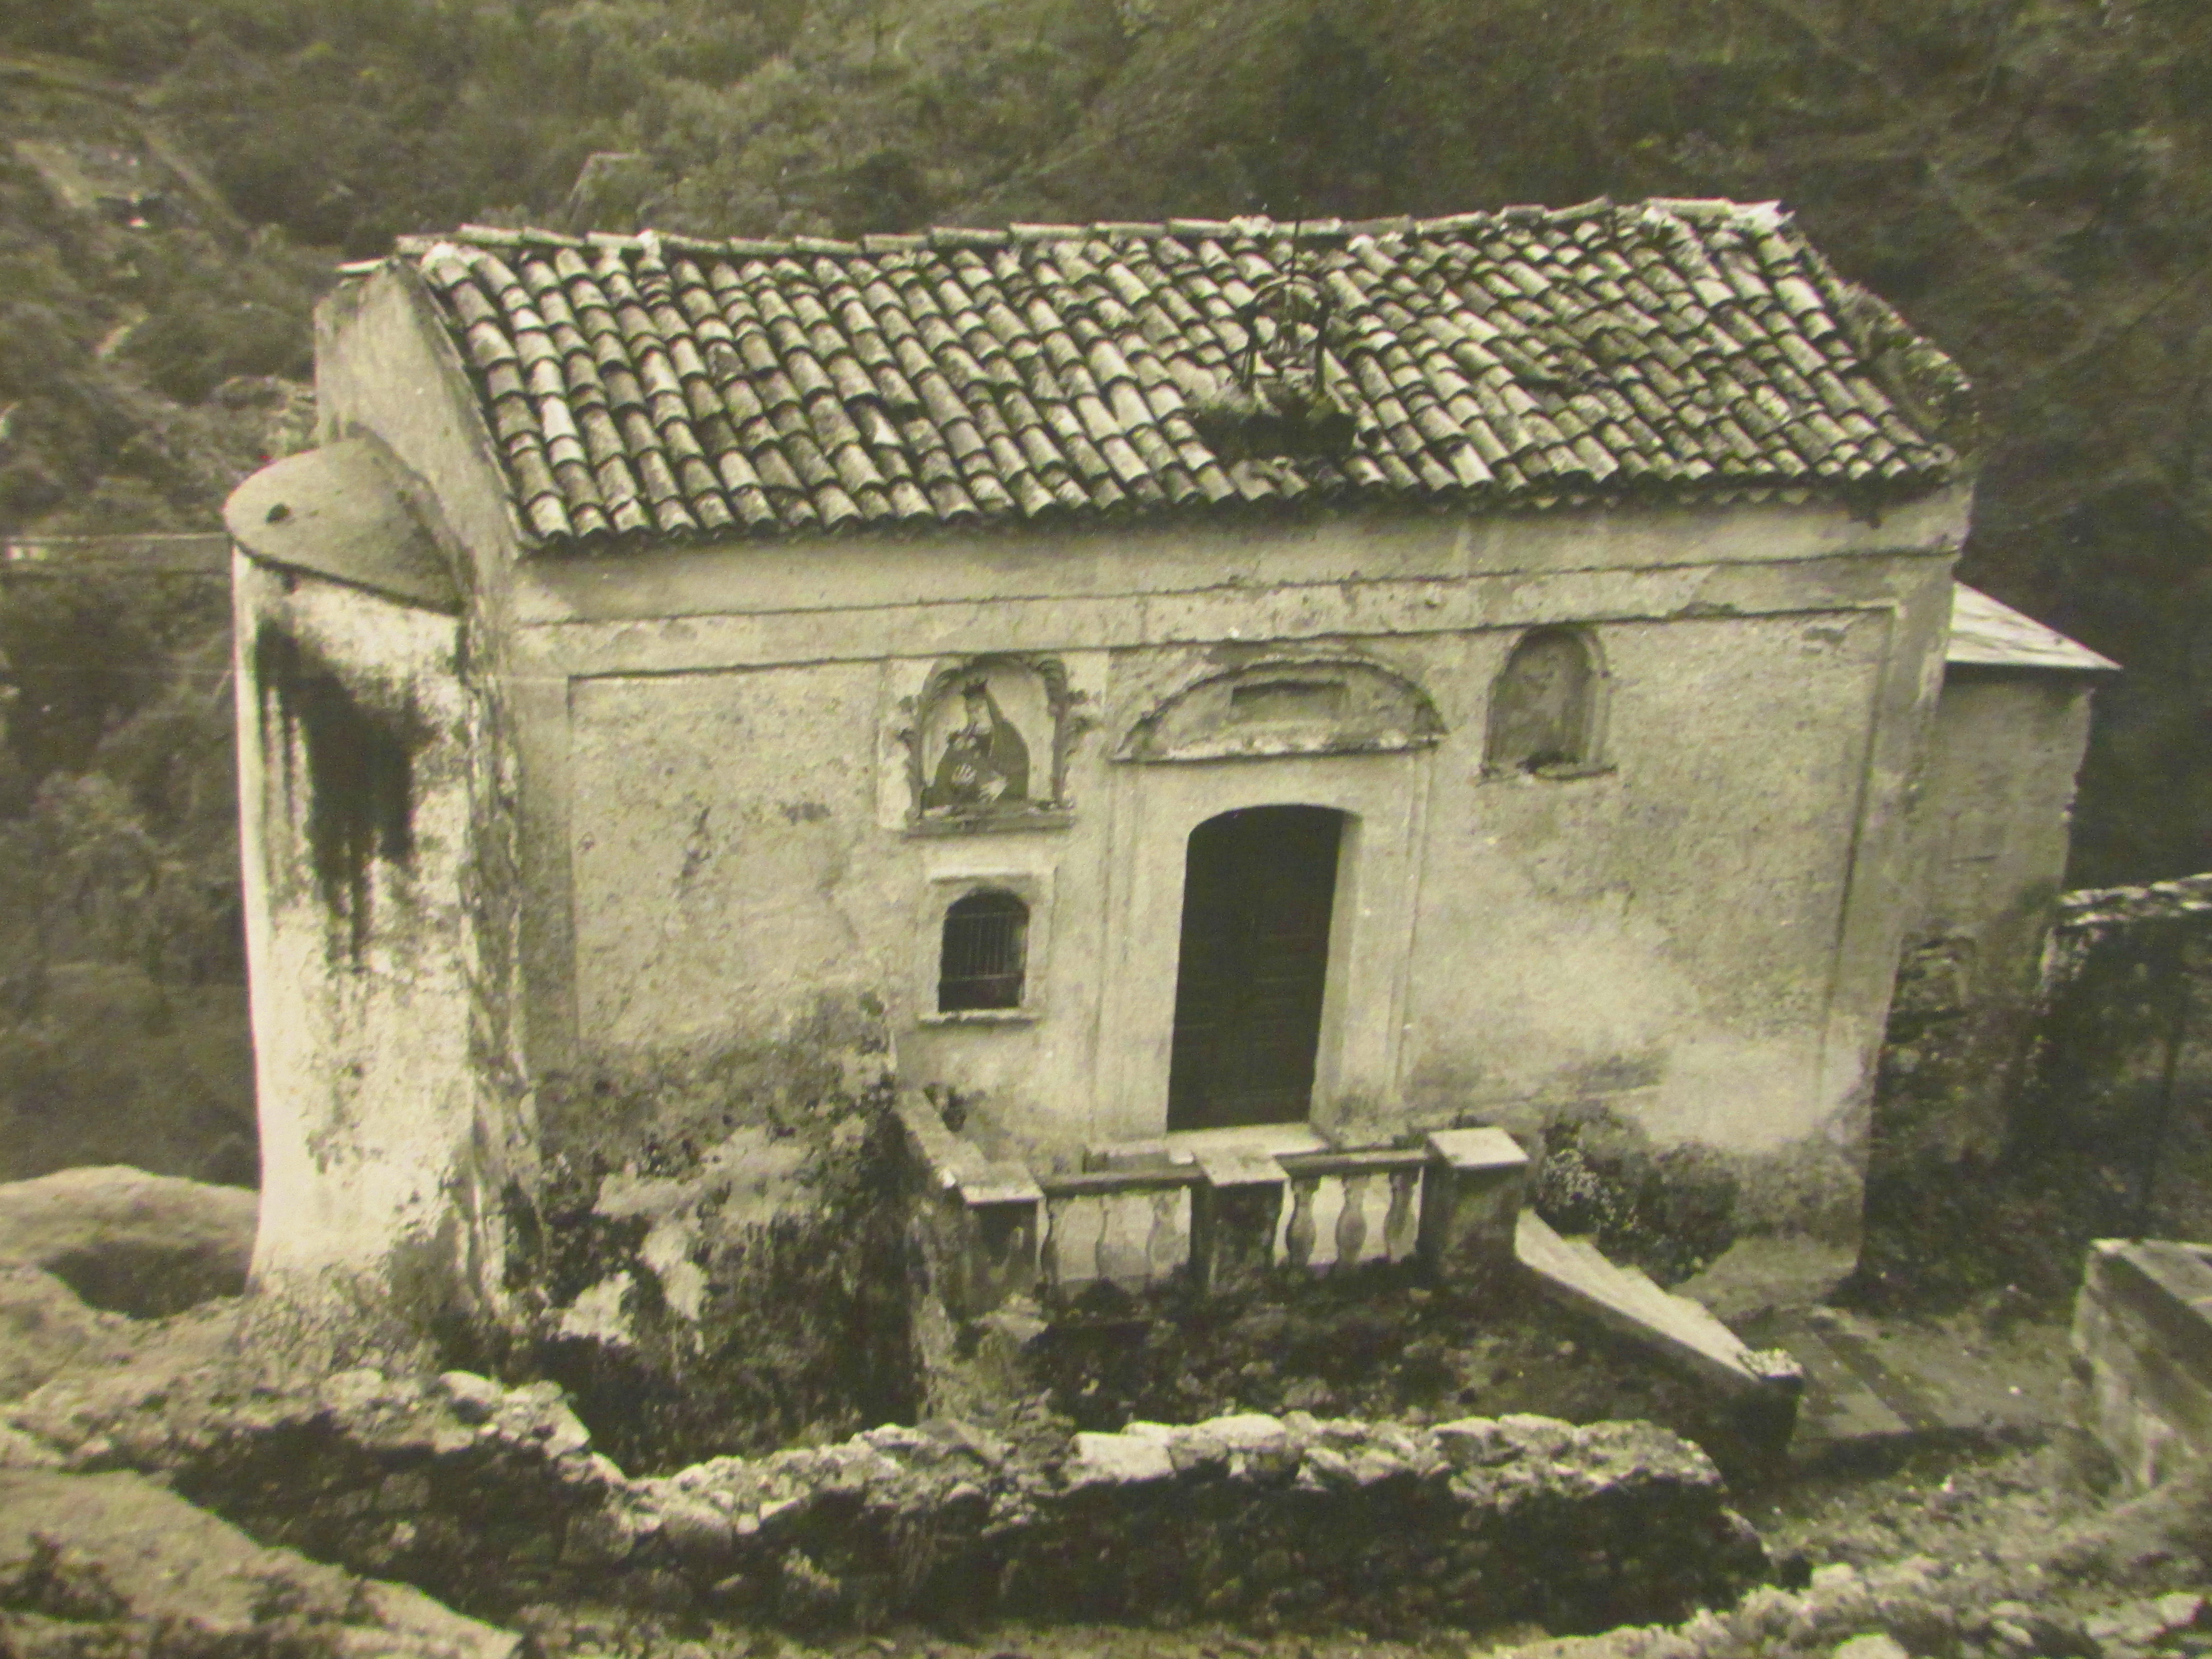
x: 1286, y: 705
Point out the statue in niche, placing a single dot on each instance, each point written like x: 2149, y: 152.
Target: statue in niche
x: 985, y: 766
x: 987, y: 743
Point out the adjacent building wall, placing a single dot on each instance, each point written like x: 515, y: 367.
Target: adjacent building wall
x: 1991, y: 833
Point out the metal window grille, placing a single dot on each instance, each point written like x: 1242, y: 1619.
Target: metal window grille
x: 984, y: 953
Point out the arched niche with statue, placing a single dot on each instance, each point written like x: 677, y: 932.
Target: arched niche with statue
x: 987, y: 746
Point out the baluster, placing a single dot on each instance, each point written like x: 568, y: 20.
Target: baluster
x: 1402, y: 1228
x: 1351, y: 1220
x: 1119, y: 1258
x: 1163, y: 1252
x: 1016, y: 1250
x: 1298, y: 1239
x: 1049, y: 1254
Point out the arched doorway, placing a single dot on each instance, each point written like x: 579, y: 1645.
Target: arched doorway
x: 1259, y: 888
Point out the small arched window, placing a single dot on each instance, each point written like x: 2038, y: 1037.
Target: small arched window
x: 984, y: 956
x: 1543, y: 708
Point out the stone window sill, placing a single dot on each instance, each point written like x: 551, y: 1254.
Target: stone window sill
x: 986, y: 1017
x: 990, y: 824
x: 1551, y: 773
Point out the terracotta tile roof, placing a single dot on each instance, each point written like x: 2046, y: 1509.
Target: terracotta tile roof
x: 1987, y: 633
x: 652, y: 386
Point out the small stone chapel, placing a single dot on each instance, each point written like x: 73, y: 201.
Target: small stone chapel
x: 1143, y: 687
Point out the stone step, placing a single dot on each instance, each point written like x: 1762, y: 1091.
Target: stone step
x: 1845, y: 1405
x: 1574, y: 1272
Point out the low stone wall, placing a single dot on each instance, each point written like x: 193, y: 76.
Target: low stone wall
x: 492, y: 1499
x: 2103, y: 1127
x: 1969, y: 1065
x: 2143, y: 1342
x: 484, y: 1496
x: 1273, y: 1521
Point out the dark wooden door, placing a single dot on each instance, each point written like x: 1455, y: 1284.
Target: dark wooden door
x: 1258, y: 888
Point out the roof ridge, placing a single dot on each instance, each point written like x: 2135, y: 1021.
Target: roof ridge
x: 1767, y: 216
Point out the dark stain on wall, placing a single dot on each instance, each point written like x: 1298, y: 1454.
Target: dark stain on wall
x: 360, y: 765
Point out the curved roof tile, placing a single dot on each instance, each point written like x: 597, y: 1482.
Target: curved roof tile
x: 1671, y: 350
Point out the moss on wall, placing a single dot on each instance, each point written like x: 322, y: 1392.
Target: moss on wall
x: 2091, y: 1120
x: 714, y: 1253
x: 1670, y: 1211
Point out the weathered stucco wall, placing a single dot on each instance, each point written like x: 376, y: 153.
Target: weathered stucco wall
x: 383, y: 1130
x: 1990, y: 833
x: 1689, y: 948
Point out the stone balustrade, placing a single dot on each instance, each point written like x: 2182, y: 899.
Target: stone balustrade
x: 1223, y: 1219
x: 1131, y: 1226
x: 1350, y: 1207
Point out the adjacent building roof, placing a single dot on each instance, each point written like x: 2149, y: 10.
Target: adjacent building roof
x: 652, y: 386
x: 1986, y: 632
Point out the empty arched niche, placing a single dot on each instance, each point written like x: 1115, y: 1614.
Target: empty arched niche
x: 1544, y: 708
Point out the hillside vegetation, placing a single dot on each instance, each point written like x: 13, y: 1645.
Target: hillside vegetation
x: 2028, y: 180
